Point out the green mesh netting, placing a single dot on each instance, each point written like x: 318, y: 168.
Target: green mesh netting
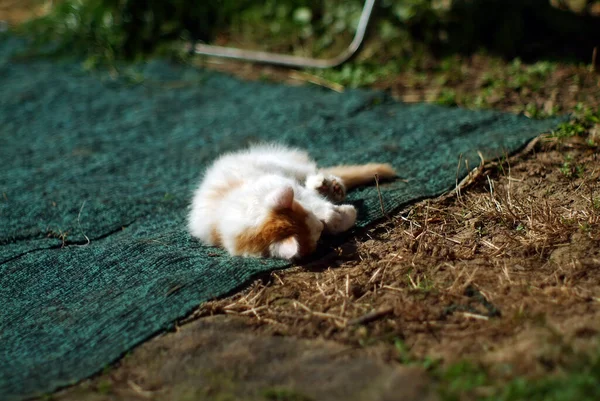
x: 92, y: 156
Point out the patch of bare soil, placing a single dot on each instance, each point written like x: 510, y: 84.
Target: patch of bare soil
x: 221, y: 358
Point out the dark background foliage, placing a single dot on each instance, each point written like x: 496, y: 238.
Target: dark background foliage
x: 109, y: 29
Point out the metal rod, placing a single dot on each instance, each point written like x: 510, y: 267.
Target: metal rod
x: 287, y: 60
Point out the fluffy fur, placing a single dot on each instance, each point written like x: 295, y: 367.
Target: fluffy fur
x: 273, y: 201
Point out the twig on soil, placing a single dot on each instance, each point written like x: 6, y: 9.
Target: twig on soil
x: 489, y: 244
x: 371, y: 316
x: 321, y: 290
x: 380, y: 197
x: 259, y: 293
x: 426, y: 231
x: 444, y: 237
x: 412, y: 282
x: 388, y: 287
x: 372, y: 279
x: 505, y: 270
x: 471, y: 177
x: 457, y: 189
x: 278, y: 278
x: 138, y: 390
x: 321, y: 314
x: 474, y: 316
x: 254, y: 310
x: 313, y: 79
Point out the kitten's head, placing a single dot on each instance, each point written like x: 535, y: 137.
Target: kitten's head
x: 289, y: 231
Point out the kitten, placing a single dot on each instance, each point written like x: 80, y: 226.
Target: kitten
x: 273, y: 201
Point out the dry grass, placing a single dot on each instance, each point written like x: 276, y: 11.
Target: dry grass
x: 512, y: 256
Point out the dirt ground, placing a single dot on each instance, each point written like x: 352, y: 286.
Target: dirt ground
x: 224, y: 358
x: 503, y: 273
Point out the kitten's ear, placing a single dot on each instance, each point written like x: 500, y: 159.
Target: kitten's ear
x: 281, y: 198
x: 289, y: 248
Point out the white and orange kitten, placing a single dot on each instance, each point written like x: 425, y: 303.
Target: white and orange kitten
x: 273, y: 201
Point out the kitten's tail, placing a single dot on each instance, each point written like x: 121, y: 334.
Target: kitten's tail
x: 363, y: 174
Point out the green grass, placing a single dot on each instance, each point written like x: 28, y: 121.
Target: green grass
x: 460, y: 378
x: 571, y: 169
x: 420, y: 282
x: 104, y: 387
x: 465, y: 381
x: 583, y: 118
x: 575, y: 378
x: 284, y: 394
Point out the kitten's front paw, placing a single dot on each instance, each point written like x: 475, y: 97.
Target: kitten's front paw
x: 341, y: 219
x: 329, y: 186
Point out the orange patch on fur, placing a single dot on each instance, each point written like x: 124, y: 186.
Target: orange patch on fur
x: 215, y: 236
x: 279, y: 225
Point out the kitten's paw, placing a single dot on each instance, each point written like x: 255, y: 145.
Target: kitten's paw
x: 329, y: 186
x: 340, y: 219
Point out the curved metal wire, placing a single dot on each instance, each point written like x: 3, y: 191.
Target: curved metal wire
x: 287, y: 60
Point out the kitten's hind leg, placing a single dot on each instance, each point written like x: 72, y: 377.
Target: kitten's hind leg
x: 329, y: 186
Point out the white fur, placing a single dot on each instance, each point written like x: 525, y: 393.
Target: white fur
x: 287, y: 249
x: 262, y: 179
